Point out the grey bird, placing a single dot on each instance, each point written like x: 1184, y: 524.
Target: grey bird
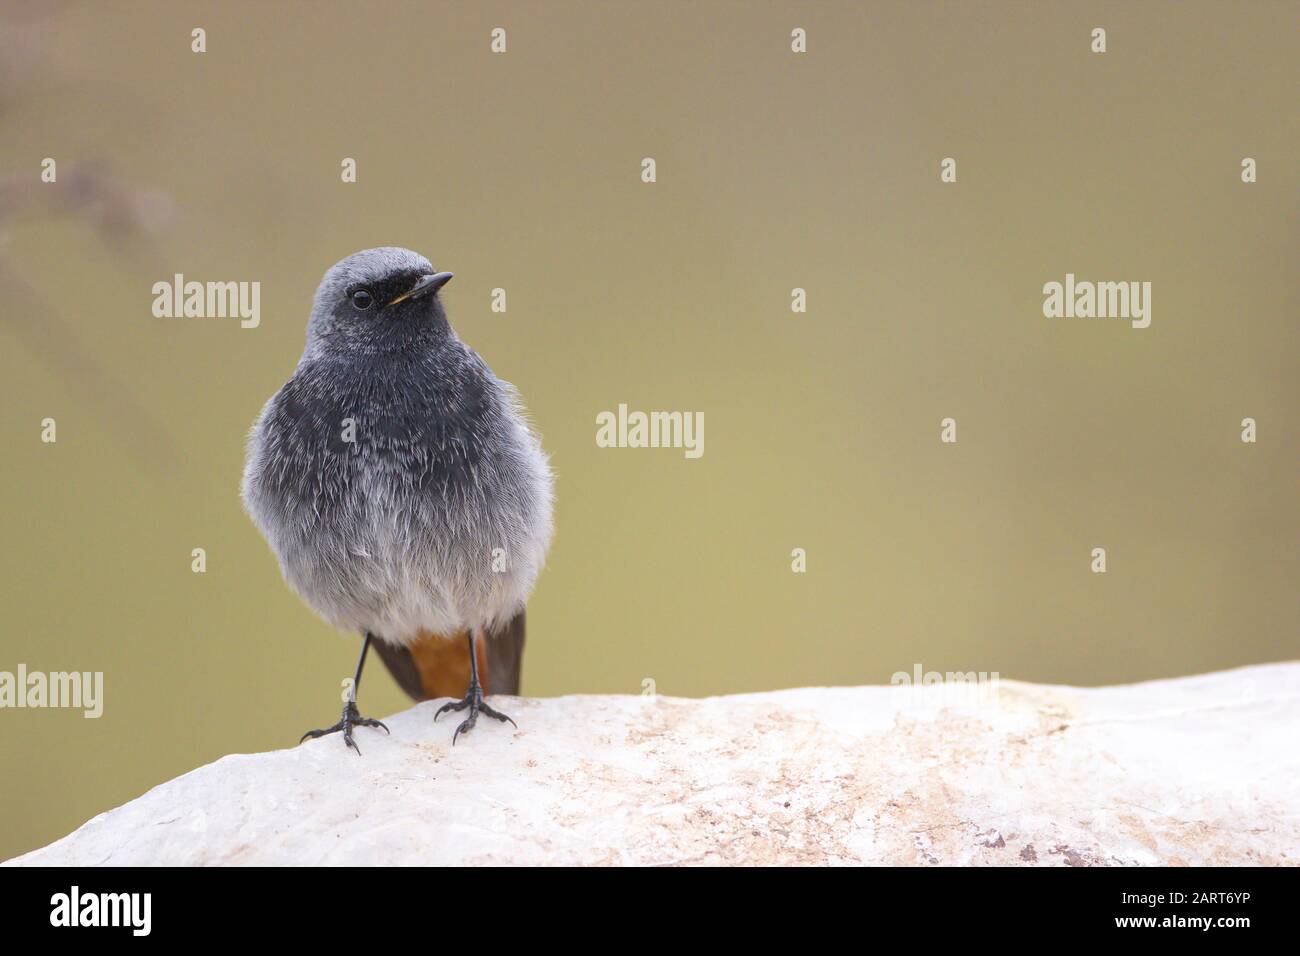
x: 399, y: 484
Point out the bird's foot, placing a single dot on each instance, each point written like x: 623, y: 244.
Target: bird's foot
x: 351, y: 718
x: 473, y: 699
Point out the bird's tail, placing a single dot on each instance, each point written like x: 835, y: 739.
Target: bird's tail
x: 437, y: 665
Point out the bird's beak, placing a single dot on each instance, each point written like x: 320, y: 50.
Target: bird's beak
x: 426, y: 285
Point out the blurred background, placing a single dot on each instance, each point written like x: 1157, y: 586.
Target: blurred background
x: 775, y: 170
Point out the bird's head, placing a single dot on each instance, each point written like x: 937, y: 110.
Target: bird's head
x: 377, y: 300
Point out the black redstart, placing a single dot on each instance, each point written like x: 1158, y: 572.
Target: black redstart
x: 400, y: 486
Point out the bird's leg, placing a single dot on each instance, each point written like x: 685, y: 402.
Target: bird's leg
x: 351, y: 716
x: 473, y: 699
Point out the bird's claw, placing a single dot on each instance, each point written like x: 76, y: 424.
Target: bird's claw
x: 473, y: 699
x: 351, y: 718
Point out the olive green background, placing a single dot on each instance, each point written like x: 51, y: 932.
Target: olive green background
x: 775, y: 170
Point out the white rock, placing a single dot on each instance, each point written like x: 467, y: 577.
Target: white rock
x: 1200, y: 770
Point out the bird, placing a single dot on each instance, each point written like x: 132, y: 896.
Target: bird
x: 403, y: 490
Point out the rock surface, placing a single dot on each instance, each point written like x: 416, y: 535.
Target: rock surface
x: 1200, y: 770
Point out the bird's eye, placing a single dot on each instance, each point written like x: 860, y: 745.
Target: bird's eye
x: 362, y: 299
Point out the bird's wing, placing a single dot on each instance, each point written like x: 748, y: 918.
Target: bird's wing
x: 437, y: 665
